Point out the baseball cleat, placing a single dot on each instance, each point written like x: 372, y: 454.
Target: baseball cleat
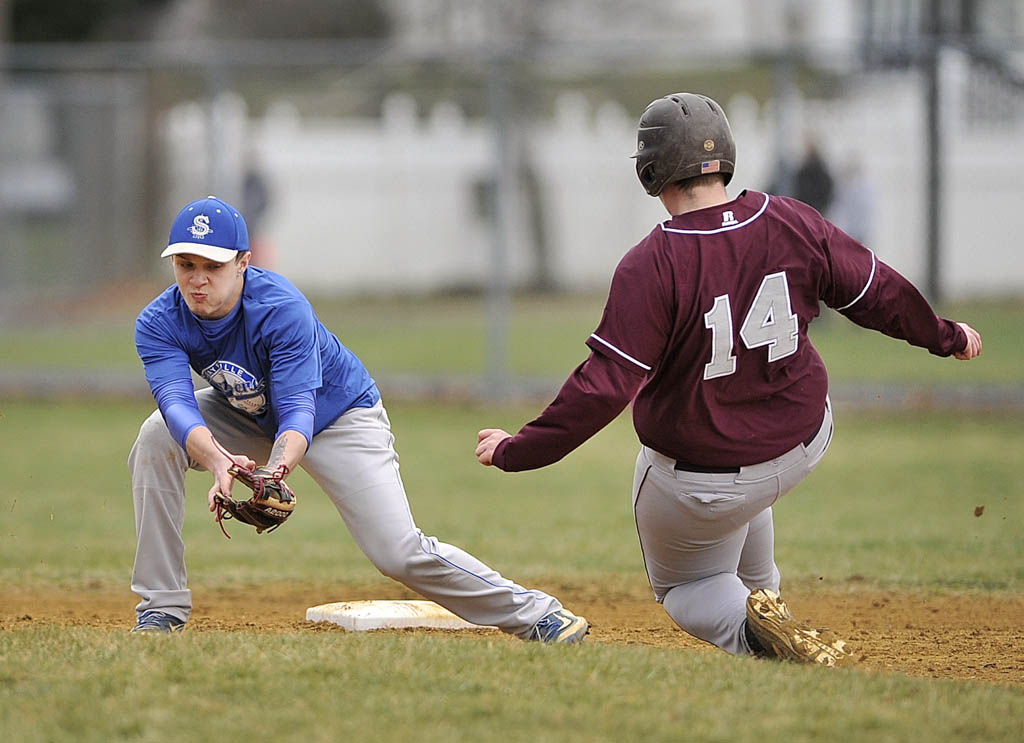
x: 769, y: 620
x: 560, y: 626
x: 158, y: 622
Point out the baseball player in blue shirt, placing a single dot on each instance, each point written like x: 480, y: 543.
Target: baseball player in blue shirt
x: 283, y: 391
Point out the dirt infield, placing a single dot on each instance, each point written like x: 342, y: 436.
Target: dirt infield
x: 964, y: 637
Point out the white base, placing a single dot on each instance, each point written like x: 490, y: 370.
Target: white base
x: 367, y: 615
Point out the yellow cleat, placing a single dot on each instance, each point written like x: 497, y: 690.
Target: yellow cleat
x: 772, y: 624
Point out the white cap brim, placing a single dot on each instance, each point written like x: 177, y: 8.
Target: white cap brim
x: 211, y: 252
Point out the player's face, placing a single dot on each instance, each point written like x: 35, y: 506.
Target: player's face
x: 211, y: 289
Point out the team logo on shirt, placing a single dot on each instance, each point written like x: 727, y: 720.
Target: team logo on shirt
x: 240, y: 387
x: 200, y: 226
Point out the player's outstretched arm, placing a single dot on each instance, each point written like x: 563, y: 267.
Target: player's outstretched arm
x: 973, y: 347
x: 597, y: 391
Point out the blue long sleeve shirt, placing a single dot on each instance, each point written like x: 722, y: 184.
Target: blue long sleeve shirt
x: 270, y: 357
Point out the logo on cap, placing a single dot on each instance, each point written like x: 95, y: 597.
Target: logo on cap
x: 200, y: 226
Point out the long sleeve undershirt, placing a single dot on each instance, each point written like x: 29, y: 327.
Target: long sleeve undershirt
x: 177, y: 403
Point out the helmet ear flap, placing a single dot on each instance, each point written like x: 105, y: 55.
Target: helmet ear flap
x: 647, y: 177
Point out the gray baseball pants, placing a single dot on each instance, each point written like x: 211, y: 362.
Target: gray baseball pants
x: 708, y: 538
x: 355, y: 462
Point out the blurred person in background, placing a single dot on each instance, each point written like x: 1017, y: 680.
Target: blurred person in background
x: 705, y: 332
x: 255, y: 204
x: 283, y: 391
x: 853, y: 209
x: 812, y: 182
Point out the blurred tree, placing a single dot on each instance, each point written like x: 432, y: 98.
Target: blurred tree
x: 297, y: 19
x: 134, y: 20
x: 82, y: 20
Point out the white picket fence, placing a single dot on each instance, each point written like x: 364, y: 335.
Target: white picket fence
x: 393, y: 204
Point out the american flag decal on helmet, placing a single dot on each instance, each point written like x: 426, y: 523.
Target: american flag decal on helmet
x: 710, y: 166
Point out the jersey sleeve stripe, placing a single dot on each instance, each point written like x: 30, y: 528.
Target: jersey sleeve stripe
x: 624, y: 355
x: 863, y: 291
x: 744, y: 223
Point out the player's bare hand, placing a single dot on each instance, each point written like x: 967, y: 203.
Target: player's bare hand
x: 487, y: 441
x: 973, y: 347
x: 222, y: 479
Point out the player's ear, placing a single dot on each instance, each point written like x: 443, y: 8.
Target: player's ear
x: 243, y: 261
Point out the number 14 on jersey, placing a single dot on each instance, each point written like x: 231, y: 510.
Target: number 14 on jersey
x: 770, y: 322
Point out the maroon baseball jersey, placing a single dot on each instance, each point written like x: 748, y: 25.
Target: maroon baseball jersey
x: 707, y: 317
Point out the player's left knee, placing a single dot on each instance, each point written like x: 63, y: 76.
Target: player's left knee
x: 405, y: 559
x: 396, y: 559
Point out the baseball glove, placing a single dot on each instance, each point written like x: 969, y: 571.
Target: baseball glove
x: 271, y: 504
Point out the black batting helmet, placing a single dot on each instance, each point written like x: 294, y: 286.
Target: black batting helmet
x: 683, y: 135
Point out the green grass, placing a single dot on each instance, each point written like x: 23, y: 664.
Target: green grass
x: 450, y: 335
x: 91, y: 685
x: 892, y: 505
x: 893, y: 502
x: 95, y: 348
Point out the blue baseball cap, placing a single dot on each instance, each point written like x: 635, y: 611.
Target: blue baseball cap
x: 210, y: 228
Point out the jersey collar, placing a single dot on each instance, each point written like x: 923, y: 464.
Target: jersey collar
x: 732, y: 215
